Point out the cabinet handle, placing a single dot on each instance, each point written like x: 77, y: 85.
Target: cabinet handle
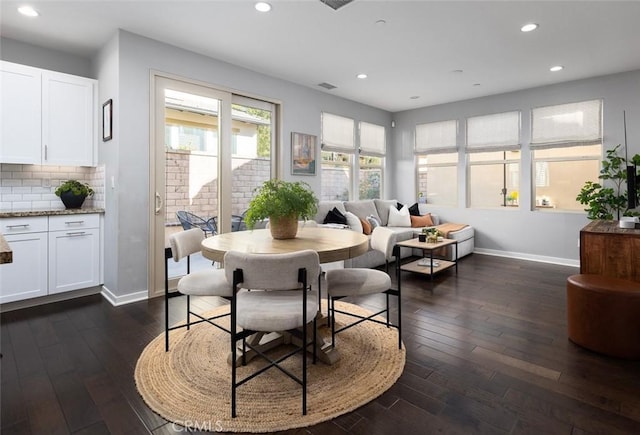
x: 76, y: 233
x: 18, y: 226
x: 73, y: 222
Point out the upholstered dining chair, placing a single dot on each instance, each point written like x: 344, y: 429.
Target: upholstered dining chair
x: 272, y: 292
x: 355, y: 282
x: 209, y: 282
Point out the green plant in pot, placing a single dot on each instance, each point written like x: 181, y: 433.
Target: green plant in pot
x: 283, y: 203
x: 605, y: 202
x: 73, y: 193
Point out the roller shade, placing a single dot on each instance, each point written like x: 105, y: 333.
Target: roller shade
x: 500, y: 131
x: 573, y: 124
x: 372, y: 139
x: 436, y: 137
x: 337, y: 133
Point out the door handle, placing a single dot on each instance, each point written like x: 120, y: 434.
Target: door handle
x: 158, y: 203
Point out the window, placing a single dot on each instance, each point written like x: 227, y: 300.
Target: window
x: 493, y: 145
x: 566, y: 143
x: 437, y: 160
x: 338, y: 151
x: 371, y: 160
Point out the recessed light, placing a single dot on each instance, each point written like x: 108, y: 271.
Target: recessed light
x: 556, y: 68
x: 361, y: 76
x: 476, y: 84
x: 28, y: 11
x: 414, y: 97
x: 381, y: 22
x: 457, y: 71
x: 529, y: 27
x: 263, y: 7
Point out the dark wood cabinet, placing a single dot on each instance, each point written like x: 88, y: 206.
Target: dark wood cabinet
x: 606, y: 249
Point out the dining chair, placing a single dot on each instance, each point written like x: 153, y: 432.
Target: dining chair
x: 272, y: 292
x: 208, y: 282
x: 356, y: 282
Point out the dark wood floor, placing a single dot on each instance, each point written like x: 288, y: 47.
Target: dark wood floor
x: 487, y: 352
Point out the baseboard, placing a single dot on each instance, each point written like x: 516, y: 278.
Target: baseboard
x: 530, y: 257
x: 27, y: 303
x: 124, y: 299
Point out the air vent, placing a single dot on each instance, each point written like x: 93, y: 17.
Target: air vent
x: 336, y: 4
x: 327, y: 86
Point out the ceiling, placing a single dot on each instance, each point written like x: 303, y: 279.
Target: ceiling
x: 425, y: 52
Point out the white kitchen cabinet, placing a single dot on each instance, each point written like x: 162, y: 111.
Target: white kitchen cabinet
x: 51, y: 254
x: 55, y: 124
x: 74, y: 252
x: 27, y: 276
x: 20, y: 114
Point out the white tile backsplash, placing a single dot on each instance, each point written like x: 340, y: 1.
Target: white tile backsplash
x: 32, y: 187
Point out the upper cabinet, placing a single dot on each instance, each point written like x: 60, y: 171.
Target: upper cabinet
x: 46, y: 117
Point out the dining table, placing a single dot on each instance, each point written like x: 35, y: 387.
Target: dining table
x: 331, y: 244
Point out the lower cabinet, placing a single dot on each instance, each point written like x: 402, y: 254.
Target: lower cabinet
x: 51, y: 255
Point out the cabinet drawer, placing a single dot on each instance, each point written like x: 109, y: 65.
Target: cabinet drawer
x: 21, y: 225
x: 73, y: 222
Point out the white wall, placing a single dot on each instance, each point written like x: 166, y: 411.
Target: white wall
x: 543, y: 235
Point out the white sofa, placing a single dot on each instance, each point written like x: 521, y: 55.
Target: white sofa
x: 380, y: 209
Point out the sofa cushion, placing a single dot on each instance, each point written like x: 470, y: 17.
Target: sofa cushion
x: 382, y: 206
x: 421, y: 221
x: 335, y: 216
x: 414, y: 210
x: 399, y: 218
x: 325, y: 206
x: 353, y: 221
x: 366, y: 226
x: 362, y: 208
x: 373, y: 221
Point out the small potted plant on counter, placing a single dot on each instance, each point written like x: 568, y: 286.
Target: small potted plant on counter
x: 73, y: 193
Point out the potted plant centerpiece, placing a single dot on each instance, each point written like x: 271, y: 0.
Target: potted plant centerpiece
x: 283, y: 203
x: 73, y: 193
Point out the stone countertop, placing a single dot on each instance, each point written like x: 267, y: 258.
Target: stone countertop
x: 6, y: 255
x: 26, y: 213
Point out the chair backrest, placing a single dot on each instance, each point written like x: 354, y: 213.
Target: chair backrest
x: 272, y: 271
x: 381, y: 241
x: 184, y: 243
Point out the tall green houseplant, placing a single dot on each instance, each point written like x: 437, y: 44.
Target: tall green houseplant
x: 606, y: 202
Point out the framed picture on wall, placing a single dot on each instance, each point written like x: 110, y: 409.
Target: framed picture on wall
x: 107, y: 121
x: 303, y: 154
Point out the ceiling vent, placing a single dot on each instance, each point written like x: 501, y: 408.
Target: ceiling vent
x: 327, y: 86
x: 336, y: 4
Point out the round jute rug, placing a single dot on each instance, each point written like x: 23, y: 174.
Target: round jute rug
x: 191, y: 384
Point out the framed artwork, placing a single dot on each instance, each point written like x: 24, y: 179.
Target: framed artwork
x: 303, y: 154
x: 107, y: 120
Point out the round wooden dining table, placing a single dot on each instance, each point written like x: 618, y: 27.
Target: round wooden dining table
x: 331, y: 244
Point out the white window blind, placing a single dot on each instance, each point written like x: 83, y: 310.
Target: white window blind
x: 572, y: 124
x: 436, y: 137
x: 337, y: 133
x: 372, y: 139
x: 500, y: 131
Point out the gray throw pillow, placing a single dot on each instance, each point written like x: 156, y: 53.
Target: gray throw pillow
x: 373, y: 221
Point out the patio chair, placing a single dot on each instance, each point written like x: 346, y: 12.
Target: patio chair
x: 189, y: 220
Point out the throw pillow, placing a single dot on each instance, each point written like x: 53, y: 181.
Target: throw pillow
x: 335, y: 217
x: 373, y: 221
x: 366, y: 226
x: 414, y: 210
x: 399, y: 205
x: 399, y: 218
x: 353, y: 221
x: 421, y: 221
